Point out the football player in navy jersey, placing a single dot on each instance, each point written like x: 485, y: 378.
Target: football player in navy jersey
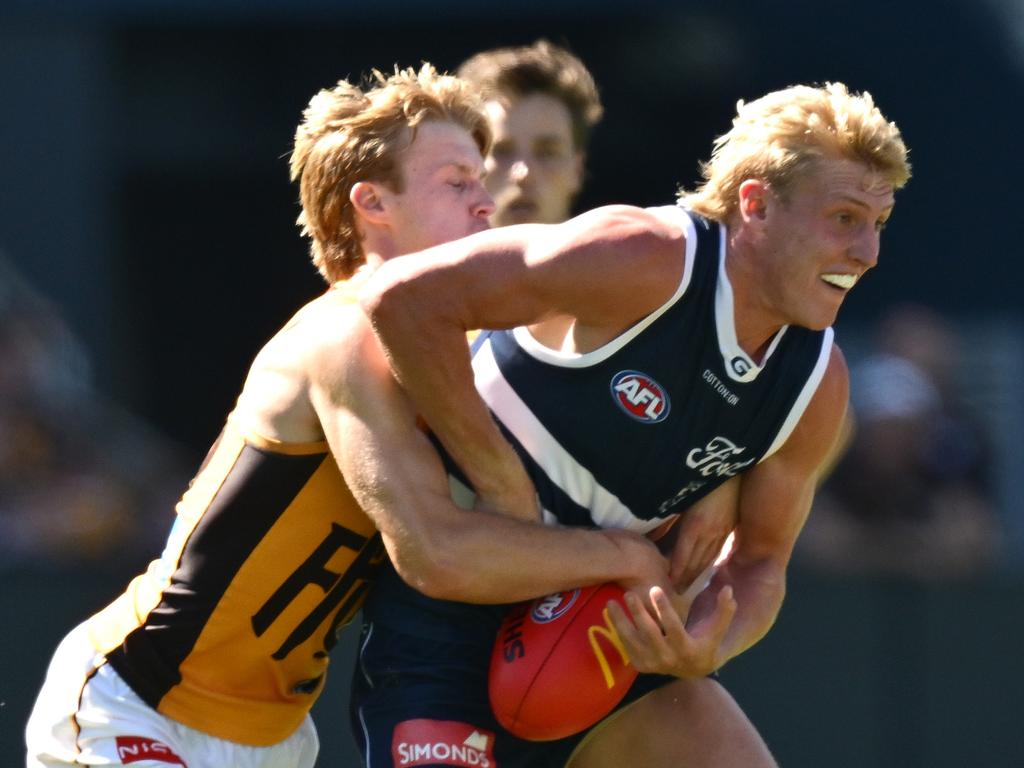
x: 542, y: 104
x: 643, y: 363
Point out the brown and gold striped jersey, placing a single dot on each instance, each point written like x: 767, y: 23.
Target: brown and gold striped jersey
x: 229, y: 630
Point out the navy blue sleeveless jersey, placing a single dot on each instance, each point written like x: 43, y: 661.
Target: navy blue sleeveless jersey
x: 632, y: 433
x: 626, y: 436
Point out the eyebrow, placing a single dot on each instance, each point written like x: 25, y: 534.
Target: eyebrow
x: 861, y: 204
x: 470, y: 170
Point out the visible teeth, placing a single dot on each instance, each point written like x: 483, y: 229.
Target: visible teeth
x: 845, y: 282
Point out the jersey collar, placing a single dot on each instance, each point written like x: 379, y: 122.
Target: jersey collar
x: 738, y: 364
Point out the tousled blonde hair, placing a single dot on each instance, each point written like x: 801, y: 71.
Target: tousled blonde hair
x: 779, y: 136
x: 350, y: 134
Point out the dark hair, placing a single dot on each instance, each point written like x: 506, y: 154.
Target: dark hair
x: 543, y: 67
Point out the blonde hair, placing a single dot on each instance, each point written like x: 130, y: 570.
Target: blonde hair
x: 350, y: 134
x: 508, y: 73
x: 779, y: 136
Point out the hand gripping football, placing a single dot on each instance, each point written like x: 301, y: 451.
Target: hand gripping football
x: 558, y: 665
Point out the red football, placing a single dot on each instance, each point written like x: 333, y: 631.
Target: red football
x: 558, y: 665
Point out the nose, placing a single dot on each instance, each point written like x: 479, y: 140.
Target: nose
x: 865, y: 251
x: 519, y: 171
x: 484, y: 207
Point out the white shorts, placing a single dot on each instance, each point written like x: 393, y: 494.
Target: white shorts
x: 87, y: 715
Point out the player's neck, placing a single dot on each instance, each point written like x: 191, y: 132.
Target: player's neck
x: 376, y: 253
x: 755, y: 322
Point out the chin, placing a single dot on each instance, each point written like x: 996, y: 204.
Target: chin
x: 821, y: 322
x: 815, y: 321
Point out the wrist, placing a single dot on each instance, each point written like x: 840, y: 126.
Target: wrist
x: 636, y: 560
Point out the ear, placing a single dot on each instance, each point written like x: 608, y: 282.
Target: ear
x: 368, y: 202
x: 754, y: 197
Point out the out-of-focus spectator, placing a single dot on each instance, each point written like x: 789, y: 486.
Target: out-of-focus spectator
x: 912, y: 495
x: 80, y: 480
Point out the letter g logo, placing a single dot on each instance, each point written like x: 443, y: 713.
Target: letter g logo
x: 740, y: 366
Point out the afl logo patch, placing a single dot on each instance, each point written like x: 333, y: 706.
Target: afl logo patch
x: 551, y: 607
x: 640, y: 397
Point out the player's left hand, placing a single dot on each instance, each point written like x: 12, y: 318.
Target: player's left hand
x: 660, y: 643
x: 702, y: 533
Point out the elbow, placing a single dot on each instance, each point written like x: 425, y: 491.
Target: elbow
x: 433, y: 567
x: 436, y: 578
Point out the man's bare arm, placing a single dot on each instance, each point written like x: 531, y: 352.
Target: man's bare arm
x: 775, y: 499
x: 397, y: 477
x: 606, y: 269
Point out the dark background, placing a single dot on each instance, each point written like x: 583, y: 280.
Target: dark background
x: 144, y: 189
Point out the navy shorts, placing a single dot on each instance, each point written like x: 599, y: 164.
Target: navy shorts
x: 419, y: 693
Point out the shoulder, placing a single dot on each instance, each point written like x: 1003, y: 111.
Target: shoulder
x: 309, y: 359
x: 328, y: 339
x: 833, y: 393
x: 648, y: 230
x: 776, y: 493
x: 819, y: 428
x: 324, y: 325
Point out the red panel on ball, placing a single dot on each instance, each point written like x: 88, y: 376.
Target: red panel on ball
x: 558, y: 665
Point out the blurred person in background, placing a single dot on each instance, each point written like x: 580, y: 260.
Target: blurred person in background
x: 541, y: 104
x: 81, y: 481
x: 911, y: 497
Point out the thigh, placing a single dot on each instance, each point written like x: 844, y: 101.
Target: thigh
x: 422, y: 702
x: 87, y: 715
x: 203, y: 750
x: 692, y: 722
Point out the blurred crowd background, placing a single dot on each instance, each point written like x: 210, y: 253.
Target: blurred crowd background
x: 148, y: 249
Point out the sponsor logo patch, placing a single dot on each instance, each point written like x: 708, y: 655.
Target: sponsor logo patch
x: 640, y: 397
x: 716, y: 384
x: 445, y: 742
x: 551, y: 607
x: 740, y: 366
x: 713, y: 459
x: 133, y: 749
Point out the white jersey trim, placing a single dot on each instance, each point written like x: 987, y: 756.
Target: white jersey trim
x: 738, y: 364
x: 578, y: 483
x: 810, y: 387
x: 535, y: 349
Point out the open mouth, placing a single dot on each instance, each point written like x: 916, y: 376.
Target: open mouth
x: 841, y: 282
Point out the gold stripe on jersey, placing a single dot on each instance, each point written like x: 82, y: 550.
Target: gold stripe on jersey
x: 229, y: 631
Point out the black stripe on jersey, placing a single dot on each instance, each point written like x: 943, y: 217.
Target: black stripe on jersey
x: 256, y: 492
